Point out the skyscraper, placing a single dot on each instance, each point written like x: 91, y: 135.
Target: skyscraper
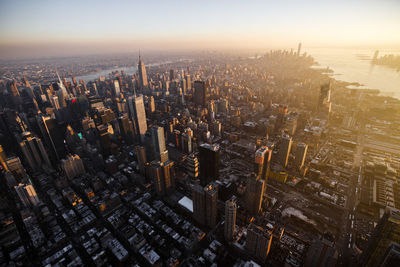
x: 72, y: 166
x: 159, y: 142
x: 284, y: 150
x: 27, y: 195
x: 142, y: 73
x: 12, y: 87
x: 209, y: 163
x: 211, y: 196
x: 127, y: 127
x: 386, y: 232
x: 14, y: 165
x: 186, y: 143
x: 205, y: 204
x: 34, y: 152
x: 199, y: 209
x: 230, y: 218
x: 192, y: 166
x: 200, y: 93
x: 151, y: 104
x: 183, y: 87
x: 258, y: 242
x: 254, y: 194
x: 324, y: 100
x: 54, y: 102
x: 54, y: 132
x: 117, y: 90
x: 61, y: 92
x: 162, y: 175
x: 155, y: 144
x: 168, y: 169
x: 3, y: 158
x: 138, y: 114
x: 298, y: 49
x: 301, y: 152
x: 263, y: 161
x: 188, y: 82
x: 141, y: 157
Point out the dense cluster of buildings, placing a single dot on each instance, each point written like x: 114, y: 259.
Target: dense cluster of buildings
x: 205, y: 162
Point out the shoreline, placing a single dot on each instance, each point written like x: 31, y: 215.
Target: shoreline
x: 327, y: 71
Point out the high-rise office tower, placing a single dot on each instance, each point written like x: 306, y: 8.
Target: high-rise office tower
x: 171, y: 75
x: 54, y: 102
x: 72, y: 166
x: 230, y: 218
x: 162, y: 175
x: 34, y: 151
x: 186, y: 143
x: 199, y: 210
x: 127, y: 127
x: 88, y: 123
x: 254, y: 194
x: 262, y: 162
x: 168, y: 168
x: 105, y: 139
x: 200, y: 93
x: 154, y: 173
x: 151, y: 104
x: 12, y: 88
x: 211, y: 196
x: 280, y: 120
x: 73, y: 140
x: 61, y: 92
x: 159, y: 141
x: 183, y: 86
x: 209, y: 163
x: 27, y: 83
x: 117, y: 90
x: 188, y: 82
x: 324, y: 100
x: 14, y: 165
x: 141, y: 157
x: 387, y: 231
x: 138, y: 114
x: 27, y: 195
x: 284, y: 150
x: 142, y: 73
x: 258, y: 242
x: 55, y: 135
x: 205, y: 204
x: 10, y: 179
x: 95, y: 91
x: 301, y: 152
x: 3, y: 158
x: 192, y: 166
x: 298, y: 49
x: 155, y: 144
x: 122, y: 106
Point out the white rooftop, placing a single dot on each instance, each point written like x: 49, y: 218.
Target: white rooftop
x: 186, y: 203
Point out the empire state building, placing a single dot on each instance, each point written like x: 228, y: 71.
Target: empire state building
x: 142, y: 73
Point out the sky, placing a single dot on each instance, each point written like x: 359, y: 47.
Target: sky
x: 34, y: 28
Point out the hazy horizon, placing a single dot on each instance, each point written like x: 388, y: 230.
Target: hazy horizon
x: 52, y: 28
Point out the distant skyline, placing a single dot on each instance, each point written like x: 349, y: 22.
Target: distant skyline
x: 62, y: 28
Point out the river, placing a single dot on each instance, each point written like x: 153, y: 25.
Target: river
x: 350, y: 65
x: 354, y: 65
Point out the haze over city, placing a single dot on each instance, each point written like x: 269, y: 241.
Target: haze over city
x: 58, y: 28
